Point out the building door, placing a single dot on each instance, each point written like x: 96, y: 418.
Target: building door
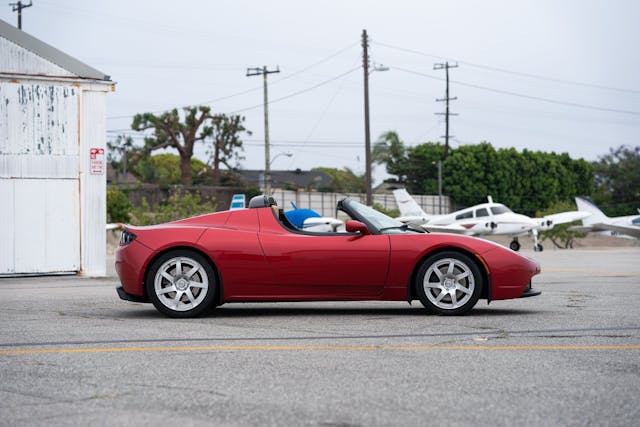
x: 39, y: 179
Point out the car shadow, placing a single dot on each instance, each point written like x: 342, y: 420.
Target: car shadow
x: 274, y: 310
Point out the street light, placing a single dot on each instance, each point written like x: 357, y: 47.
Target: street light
x: 287, y: 154
x: 261, y: 179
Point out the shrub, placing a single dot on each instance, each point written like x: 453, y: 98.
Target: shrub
x: 118, y: 205
x: 180, y: 204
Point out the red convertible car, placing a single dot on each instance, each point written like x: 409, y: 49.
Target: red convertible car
x: 188, y: 266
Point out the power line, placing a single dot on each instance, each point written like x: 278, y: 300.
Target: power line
x: 300, y: 92
x: 324, y: 112
x: 516, y: 73
x: 521, y: 95
x: 253, y: 89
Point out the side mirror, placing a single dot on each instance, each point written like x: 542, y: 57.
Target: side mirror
x: 357, y: 227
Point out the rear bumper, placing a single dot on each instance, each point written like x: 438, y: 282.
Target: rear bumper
x: 128, y: 297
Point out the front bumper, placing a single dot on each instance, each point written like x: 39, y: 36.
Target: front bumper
x: 530, y: 292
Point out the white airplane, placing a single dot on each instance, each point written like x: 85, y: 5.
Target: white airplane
x: 598, y: 222
x: 483, y: 219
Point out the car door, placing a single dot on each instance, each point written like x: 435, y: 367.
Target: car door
x: 327, y: 265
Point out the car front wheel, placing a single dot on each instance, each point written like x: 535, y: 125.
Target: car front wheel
x: 449, y: 283
x: 181, y: 283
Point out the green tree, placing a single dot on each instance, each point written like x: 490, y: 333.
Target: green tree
x: 226, y: 143
x: 526, y: 181
x: 170, y: 130
x: 165, y: 169
x: 390, y: 151
x: 416, y: 167
x: 618, y: 180
x: 421, y: 168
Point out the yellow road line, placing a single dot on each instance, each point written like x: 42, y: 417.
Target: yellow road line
x: 318, y: 348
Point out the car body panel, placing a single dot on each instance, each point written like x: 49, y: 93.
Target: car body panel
x: 358, y: 264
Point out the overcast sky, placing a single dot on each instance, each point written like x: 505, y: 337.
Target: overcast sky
x: 559, y: 76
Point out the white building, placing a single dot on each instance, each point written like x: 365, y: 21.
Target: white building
x: 52, y: 159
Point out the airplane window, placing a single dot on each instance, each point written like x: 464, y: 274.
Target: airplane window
x: 481, y: 212
x: 497, y: 210
x: 464, y: 215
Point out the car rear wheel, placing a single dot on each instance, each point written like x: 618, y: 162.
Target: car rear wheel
x: 181, y: 283
x: 449, y: 283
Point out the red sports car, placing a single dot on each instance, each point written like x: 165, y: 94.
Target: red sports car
x: 188, y: 266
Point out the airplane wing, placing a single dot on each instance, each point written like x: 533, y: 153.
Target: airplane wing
x: 630, y: 230
x: 452, y: 228
x: 549, y: 221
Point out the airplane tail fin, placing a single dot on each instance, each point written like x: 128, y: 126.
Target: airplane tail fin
x: 407, y: 205
x: 587, y: 205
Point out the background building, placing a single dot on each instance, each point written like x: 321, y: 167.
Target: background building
x: 52, y: 159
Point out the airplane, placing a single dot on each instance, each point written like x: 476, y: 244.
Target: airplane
x: 598, y: 222
x: 483, y: 219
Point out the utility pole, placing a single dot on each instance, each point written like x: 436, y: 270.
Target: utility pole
x: 446, y: 99
x: 18, y: 7
x: 367, y: 134
x: 267, y: 160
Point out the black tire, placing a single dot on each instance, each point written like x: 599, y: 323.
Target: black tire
x: 514, y: 245
x: 538, y: 248
x: 181, y: 283
x: 449, y: 283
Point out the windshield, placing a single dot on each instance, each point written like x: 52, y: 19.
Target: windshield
x: 499, y: 209
x: 382, y: 222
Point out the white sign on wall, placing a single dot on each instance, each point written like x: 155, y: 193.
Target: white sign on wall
x: 96, y: 159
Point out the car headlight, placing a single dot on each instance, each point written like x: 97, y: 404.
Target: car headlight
x: 126, y: 238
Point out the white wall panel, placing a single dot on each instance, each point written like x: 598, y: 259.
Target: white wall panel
x: 7, y: 212
x: 39, y: 131
x: 62, y: 229
x: 29, y: 225
x: 41, y: 232
x: 93, y: 186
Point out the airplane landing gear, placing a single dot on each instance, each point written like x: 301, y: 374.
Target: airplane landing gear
x: 537, y: 246
x: 515, y: 244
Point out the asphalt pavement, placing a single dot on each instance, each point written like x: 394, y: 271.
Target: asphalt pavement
x: 72, y: 353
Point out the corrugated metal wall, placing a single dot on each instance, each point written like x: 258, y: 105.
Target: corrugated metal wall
x: 93, y: 185
x: 15, y: 59
x: 39, y: 178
